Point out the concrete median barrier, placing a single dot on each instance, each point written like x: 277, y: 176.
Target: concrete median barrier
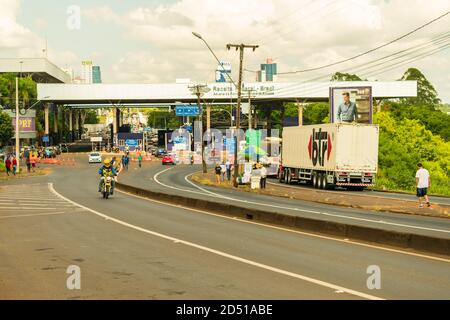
x: 410, y: 241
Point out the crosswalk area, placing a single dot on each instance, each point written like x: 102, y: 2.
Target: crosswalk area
x: 31, y: 200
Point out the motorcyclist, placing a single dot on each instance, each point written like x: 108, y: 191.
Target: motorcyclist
x: 107, y: 170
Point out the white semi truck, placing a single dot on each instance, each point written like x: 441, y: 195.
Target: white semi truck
x: 330, y: 155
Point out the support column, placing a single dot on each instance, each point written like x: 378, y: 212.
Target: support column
x: 300, y: 113
x: 63, y: 125
x: 76, y: 124
x: 70, y: 125
x: 115, y: 120
x: 46, y: 123
x: 55, y: 124
x: 79, y: 125
x: 115, y: 125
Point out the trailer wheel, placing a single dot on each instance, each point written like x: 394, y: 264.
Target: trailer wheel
x: 315, y: 180
x: 288, y: 176
x: 322, y: 181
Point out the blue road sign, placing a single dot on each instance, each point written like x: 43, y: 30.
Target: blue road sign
x: 187, y: 110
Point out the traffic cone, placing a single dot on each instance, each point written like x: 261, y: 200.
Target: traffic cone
x: 73, y: 162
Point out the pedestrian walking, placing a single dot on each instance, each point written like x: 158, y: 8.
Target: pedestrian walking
x: 8, y: 165
x: 33, y: 160
x: 223, y: 171
x: 28, y: 162
x: 140, y: 160
x: 263, y: 180
x: 217, y: 170
x: 228, y: 167
x: 14, y: 164
x: 423, y: 182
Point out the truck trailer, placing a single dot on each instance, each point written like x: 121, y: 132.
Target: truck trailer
x: 330, y: 155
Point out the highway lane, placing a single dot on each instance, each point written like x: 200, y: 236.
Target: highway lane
x: 175, y: 180
x: 154, y: 250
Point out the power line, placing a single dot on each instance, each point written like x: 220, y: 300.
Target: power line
x: 362, y: 67
x: 319, y: 87
x: 369, y: 51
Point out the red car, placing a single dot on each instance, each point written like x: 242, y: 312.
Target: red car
x: 168, y: 160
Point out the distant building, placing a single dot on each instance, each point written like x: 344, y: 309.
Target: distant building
x: 70, y: 72
x: 222, y: 70
x: 86, y: 71
x: 268, y: 71
x: 96, y: 75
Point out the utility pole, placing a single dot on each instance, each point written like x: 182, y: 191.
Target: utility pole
x: 241, y: 47
x: 17, y: 127
x: 199, y: 90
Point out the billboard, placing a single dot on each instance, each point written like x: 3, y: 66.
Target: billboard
x: 351, y: 104
x: 27, y: 123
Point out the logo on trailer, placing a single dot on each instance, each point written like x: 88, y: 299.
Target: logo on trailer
x: 319, y: 145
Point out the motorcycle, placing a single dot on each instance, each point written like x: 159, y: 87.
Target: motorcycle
x: 107, y: 185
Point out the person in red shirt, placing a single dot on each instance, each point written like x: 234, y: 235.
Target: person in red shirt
x: 14, y: 164
x: 8, y: 165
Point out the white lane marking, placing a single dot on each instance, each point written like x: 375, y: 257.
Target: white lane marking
x: 28, y: 198
x: 31, y: 201
x: 26, y: 208
x: 31, y: 215
x: 155, y: 177
x: 314, y: 212
x: 353, y: 194
x: 25, y: 204
x: 220, y: 253
x: 346, y: 240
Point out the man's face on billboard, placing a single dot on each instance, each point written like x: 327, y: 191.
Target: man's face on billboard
x: 346, y: 98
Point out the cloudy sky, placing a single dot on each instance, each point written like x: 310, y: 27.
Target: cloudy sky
x: 150, y: 41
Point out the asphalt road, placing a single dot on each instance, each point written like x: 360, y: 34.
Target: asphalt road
x: 175, y: 179
x: 132, y: 248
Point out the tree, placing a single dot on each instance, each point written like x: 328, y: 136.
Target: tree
x: 339, y: 76
x: 89, y: 117
x: 6, y: 128
x: 161, y: 119
x: 426, y: 93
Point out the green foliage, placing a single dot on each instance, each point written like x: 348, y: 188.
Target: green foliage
x: 426, y: 93
x: 339, y: 76
x: 91, y: 117
x: 316, y: 113
x: 159, y: 119
x: 6, y: 128
x: 432, y: 118
x: 403, y: 144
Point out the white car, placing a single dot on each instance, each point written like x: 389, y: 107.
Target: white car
x: 95, y: 157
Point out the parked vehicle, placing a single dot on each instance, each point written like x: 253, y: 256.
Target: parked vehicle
x: 329, y: 155
x: 168, y: 159
x: 95, y: 157
x: 161, y: 153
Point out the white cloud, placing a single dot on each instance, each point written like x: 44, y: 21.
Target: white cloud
x: 19, y: 41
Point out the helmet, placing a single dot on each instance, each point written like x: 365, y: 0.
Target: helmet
x: 107, y: 163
